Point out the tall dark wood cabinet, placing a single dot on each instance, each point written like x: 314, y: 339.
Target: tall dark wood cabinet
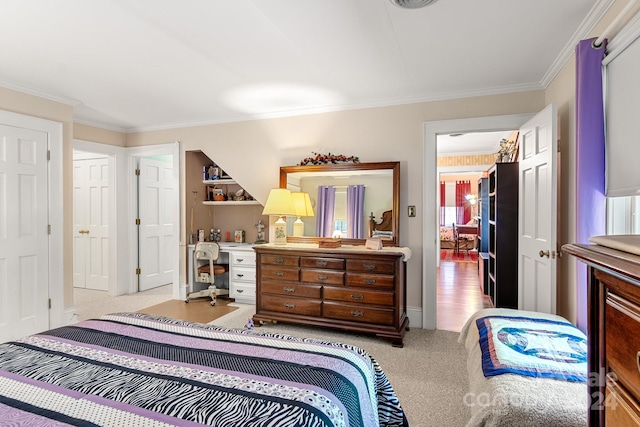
x: 503, y: 234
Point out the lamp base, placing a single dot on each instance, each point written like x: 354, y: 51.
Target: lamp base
x: 280, y: 232
x: 298, y: 228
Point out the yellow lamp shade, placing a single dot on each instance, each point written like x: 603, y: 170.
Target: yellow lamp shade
x: 279, y: 202
x: 302, y: 204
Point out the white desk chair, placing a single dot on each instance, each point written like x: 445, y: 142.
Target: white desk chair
x: 205, y: 273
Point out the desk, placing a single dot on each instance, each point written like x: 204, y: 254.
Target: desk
x: 242, y: 270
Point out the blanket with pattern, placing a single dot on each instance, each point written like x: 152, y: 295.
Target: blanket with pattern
x: 532, y: 347
x: 133, y: 369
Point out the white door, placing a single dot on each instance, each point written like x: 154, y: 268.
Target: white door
x: 156, y: 207
x: 91, y: 223
x: 24, y: 237
x: 538, y: 212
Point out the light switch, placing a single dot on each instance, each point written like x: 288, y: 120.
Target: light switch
x: 412, y: 211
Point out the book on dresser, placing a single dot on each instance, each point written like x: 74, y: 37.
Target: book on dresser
x: 349, y: 288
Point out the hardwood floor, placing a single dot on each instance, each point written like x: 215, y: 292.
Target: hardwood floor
x: 459, y: 294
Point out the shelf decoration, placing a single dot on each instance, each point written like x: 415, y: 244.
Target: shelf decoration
x: 328, y: 158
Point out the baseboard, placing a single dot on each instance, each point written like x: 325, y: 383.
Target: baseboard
x: 415, y: 317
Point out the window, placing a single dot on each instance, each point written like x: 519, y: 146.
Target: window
x: 622, y: 215
x: 340, y: 228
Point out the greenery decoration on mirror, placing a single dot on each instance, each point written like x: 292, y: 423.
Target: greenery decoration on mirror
x: 328, y: 158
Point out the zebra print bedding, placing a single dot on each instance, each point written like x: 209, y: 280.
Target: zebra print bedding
x: 134, y: 369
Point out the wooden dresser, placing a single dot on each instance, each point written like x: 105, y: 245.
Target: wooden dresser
x: 349, y: 288
x: 614, y: 334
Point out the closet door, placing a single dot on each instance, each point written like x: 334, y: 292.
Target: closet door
x: 24, y: 240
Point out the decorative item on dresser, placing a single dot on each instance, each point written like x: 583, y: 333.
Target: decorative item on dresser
x: 349, y: 288
x: 613, y: 333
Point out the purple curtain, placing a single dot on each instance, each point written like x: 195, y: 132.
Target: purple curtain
x: 590, y: 159
x: 355, y: 212
x: 324, y: 211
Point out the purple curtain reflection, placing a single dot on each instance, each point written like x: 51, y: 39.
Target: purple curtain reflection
x: 590, y: 159
x: 324, y: 214
x: 355, y: 211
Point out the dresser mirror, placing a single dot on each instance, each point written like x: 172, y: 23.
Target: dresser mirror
x: 380, y: 208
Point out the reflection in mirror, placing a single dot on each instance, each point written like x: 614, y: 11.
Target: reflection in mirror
x: 352, y: 201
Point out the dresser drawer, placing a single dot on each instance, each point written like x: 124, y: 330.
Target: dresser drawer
x: 279, y: 273
x: 284, y: 260
x: 305, y: 307
x: 620, y: 408
x: 327, y: 277
x: 243, y: 291
x: 292, y: 289
x: 243, y: 274
x: 622, y: 341
x: 324, y: 263
x: 370, y: 280
x: 242, y: 259
x: 357, y: 313
x: 371, y: 266
x: 359, y: 296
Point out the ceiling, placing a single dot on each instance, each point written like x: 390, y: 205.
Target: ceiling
x: 132, y: 65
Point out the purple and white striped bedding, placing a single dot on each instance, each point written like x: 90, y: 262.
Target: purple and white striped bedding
x: 133, y: 369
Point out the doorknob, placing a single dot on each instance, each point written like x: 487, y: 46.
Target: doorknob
x: 543, y: 254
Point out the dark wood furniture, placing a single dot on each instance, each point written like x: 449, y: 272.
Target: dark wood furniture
x: 613, y: 334
x: 385, y: 224
x: 503, y: 234
x: 349, y: 288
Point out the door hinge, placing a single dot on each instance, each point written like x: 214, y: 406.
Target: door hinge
x: 137, y: 172
x: 138, y: 272
x: 48, y: 154
x: 137, y: 221
x: 49, y: 228
x: 49, y: 302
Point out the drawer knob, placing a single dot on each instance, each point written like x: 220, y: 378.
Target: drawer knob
x: 289, y: 290
x: 369, y: 266
x: 240, y: 291
x: 357, y: 297
x: 240, y: 275
x: 279, y: 260
x: 322, y: 277
x: 240, y: 259
x: 289, y: 305
x: 279, y: 273
x: 369, y: 281
x: 321, y: 263
x: 357, y: 313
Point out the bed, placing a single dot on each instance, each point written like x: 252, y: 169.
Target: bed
x: 545, y: 387
x: 134, y: 369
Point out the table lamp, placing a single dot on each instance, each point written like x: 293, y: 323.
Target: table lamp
x: 279, y: 203
x: 302, y: 205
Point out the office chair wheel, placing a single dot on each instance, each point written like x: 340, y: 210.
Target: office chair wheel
x: 187, y: 300
x: 213, y: 303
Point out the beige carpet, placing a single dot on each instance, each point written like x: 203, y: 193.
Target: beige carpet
x: 197, y: 310
x: 429, y: 373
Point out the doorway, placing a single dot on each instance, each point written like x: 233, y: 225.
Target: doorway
x: 431, y: 224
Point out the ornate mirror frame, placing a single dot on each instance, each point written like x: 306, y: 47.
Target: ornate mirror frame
x: 355, y: 167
